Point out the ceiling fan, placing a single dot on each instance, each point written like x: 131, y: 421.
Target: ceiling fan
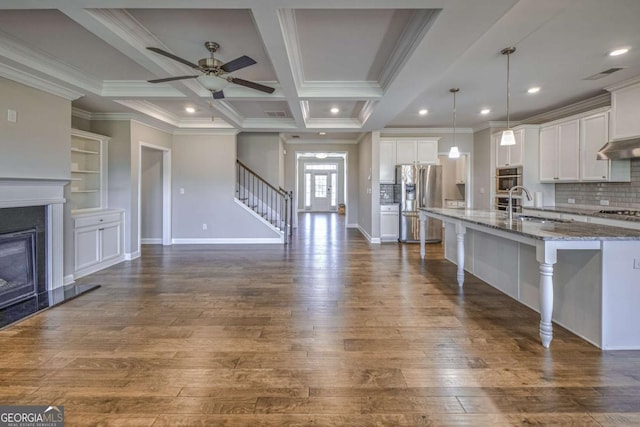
x: 213, y: 71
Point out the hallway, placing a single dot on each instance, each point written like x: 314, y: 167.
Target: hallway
x: 326, y: 331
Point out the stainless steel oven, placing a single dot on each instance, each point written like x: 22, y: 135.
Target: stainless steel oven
x: 507, y: 178
x: 502, y: 201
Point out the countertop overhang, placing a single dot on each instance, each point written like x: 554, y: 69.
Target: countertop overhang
x: 570, y: 230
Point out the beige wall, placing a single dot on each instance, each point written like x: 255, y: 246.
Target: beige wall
x: 151, y: 194
x: 365, y: 188
x: 481, y: 174
x: 261, y: 152
x: 37, y: 145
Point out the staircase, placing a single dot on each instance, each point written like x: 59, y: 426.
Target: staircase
x: 274, y: 205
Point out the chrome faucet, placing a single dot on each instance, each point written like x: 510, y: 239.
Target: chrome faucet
x: 510, y: 204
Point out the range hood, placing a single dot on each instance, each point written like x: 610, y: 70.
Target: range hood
x: 620, y: 149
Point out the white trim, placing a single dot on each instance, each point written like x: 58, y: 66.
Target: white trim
x: 68, y: 280
x: 82, y: 114
x: 372, y: 240
x: 38, y: 83
x: 130, y: 256
x: 227, y: 241
x: 151, y: 241
x: 624, y: 84
x: 418, y: 132
x: 260, y: 218
x: 205, y: 132
x: 166, y: 192
x: 287, y: 20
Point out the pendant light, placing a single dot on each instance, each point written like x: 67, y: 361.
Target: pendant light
x: 508, y: 138
x: 454, y: 153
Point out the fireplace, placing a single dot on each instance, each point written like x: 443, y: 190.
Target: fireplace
x: 18, y: 277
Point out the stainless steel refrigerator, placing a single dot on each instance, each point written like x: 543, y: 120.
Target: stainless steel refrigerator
x: 420, y: 186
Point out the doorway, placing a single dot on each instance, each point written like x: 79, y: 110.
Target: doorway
x: 320, y: 187
x: 154, y: 195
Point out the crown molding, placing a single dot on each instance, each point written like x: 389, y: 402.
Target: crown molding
x: 206, y: 132
x: 150, y: 110
x: 423, y: 131
x: 268, y: 124
x: 334, y: 124
x: 15, y: 51
x: 81, y: 114
x: 134, y: 88
x: 113, y: 116
x: 602, y: 100
x: 303, y: 141
x: 356, y: 91
x: 304, y: 107
x: 366, y: 111
x: 202, y: 123
x: 624, y: 84
x: 36, y: 82
x: 414, y: 33
x: 287, y: 18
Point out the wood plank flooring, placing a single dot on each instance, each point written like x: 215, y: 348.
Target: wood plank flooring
x: 327, y: 331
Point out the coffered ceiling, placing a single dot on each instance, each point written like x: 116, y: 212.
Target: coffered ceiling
x: 378, y: 61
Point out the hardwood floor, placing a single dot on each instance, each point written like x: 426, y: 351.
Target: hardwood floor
x: 327, y: 331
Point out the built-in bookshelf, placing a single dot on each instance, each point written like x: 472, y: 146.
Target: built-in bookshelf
x: 88, y: 171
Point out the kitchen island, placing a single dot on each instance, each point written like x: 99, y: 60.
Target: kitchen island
x: 596, y: 270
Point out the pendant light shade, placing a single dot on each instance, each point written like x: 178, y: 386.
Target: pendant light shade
x: 508, y: 138
x: 454, y: 153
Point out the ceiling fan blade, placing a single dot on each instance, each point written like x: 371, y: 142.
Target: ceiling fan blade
x: 175, y: 58
x: 218, y: 95
x: 252, y: 85
x: 170, y: 79
x: 238, y: 63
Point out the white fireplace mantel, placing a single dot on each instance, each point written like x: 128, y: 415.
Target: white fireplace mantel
x: 22, y: 192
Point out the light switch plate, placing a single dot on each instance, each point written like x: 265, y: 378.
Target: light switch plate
x: 12, y: 116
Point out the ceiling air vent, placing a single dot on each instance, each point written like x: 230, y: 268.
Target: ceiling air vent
x: 602, y: 74
x: 276, y: 114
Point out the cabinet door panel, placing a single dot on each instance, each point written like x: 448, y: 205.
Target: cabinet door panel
x: 568, y: 149
x: 548, y: 155
x: 405, y: 151
x: 389, y: 223
x: 87, y: 247
x: 515, y: 151
x: 387, y: 161
x: 427, y: 151
x: 110, y: 241
x: 593, y: 135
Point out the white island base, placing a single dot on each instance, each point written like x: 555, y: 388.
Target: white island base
x: 588, y: 286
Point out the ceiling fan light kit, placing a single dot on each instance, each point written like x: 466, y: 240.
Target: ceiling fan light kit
x: 508, y: 137
x: 212, y: 71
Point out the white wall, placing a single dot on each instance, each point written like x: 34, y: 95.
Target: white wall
x: 151, y: 194
x: 204, y: 166
x: 365, y: 190
x: 482, y: 170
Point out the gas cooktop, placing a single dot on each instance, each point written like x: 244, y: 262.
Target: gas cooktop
x: 624, y: 212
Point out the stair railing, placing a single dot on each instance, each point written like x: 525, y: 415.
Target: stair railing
x: 273, y: 204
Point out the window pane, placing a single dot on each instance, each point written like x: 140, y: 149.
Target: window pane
x: 307, y: 189
x: 334, y: 186
x: 321, y: 186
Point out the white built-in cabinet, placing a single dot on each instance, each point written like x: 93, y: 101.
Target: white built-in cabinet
x: 568, y: 150
x: 424, y: 150
x: 88, y: 171
x: 509, y: 155
x: 98, y: 232
x: 559, y: 146
x: 387, y: 161
x: 99, y: 240
x: 389, y: 222
x: 625, y: 104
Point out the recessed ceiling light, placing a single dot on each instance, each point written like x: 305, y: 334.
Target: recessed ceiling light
x: 485, y: 111
x: 423, y: 112
x: 322, y: 133
x: 190, y: 110
x: 335, y: 110
x: 620, y: 51
x: 533, y: 89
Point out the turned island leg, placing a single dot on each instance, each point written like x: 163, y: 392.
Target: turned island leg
x: 546, y: 256
x: 460, y: 232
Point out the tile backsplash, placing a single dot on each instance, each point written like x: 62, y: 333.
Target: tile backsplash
x: 389, y: 193
x: 619, y: 194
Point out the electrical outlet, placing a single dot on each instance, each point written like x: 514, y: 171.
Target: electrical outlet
x: 571, y: 200
x: 636, y: 263
x: 204, y: 226
x: 604, y: 202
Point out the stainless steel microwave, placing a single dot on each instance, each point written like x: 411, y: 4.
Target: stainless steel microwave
x: 507, y: 178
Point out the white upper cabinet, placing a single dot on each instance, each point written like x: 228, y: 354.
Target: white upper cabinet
x: 559, y: 147
x: 594, y: 133
x: 424, y: 150
x: 387, y: 161
x: 509, y: 155
x: 625, y: 112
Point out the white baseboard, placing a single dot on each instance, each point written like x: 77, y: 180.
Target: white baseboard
x: 131, y: 256
x: 353, y: 226
x: 374, y: 240
x: 228, y: 241
x: 69, y: 279
x: 151, y: 241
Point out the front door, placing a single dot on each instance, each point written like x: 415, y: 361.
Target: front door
x: 320, y: 191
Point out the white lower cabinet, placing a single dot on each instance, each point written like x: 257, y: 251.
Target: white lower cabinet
x: 98, y: 240
x: 389, y: 223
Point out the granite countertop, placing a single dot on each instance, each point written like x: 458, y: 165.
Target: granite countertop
x: 566, y: 230
x: 588, y: 212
